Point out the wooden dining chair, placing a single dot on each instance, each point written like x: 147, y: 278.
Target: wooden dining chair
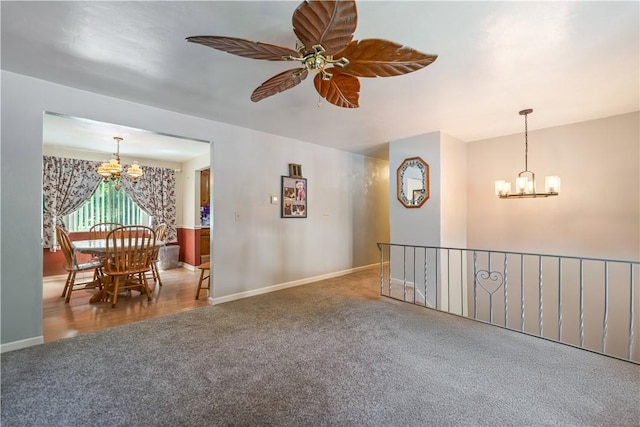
x: 205, y: 268
x: 100, y: 231
x: 129, y: 255
x: 161, y: 233
x: 72, y: 267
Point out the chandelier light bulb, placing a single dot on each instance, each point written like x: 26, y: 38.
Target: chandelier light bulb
x: 552, y: 184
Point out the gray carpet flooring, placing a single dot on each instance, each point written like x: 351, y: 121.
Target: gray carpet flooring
x: 323, y: 354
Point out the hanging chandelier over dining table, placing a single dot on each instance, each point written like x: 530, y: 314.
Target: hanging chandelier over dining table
x: 112, y: 170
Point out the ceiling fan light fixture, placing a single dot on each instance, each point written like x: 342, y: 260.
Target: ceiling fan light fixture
x: 324, y: 30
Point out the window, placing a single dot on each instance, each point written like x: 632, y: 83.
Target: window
x: 106, y: 205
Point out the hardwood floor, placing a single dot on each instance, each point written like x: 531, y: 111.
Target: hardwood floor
x: 79, y: 317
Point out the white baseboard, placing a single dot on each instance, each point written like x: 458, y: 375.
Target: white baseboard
x: 17, y: 345
x: 280, y: 286
x: 55, y: 278
x: 188, y: 266
x: 412, y: 285
x: 395, y: 281
x: 180, y: 264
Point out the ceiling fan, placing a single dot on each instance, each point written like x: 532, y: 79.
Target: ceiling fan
x: 325, y: 47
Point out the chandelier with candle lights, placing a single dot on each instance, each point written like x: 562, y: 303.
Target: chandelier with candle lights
x: 526, y: 180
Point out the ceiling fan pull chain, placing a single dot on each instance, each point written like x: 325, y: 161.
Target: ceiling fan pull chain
x: 319, y: 104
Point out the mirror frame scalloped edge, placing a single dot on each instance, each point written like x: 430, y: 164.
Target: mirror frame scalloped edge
x: 399, y: 172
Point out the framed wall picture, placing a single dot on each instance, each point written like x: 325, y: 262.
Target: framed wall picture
x: 295, y: 171
x: 293, y: 200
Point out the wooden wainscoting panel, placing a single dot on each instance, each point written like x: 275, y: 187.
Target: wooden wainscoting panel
x: 189, y: 241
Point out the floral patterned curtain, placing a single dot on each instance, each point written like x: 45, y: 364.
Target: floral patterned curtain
x: 155, y: 193
x: 66, y: 185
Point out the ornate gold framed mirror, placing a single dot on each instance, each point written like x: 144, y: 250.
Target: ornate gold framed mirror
x: 413, y: 182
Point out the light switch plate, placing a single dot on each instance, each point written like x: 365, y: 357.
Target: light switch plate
x: 274, y: 200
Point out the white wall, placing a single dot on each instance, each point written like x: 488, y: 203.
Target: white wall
x: 373, y: 197
x: 259, y: 250
x: 263, y: 249
x: 416, y: 226
x: 441, y: 221
x: 597, y: 213
x: 453, y: 192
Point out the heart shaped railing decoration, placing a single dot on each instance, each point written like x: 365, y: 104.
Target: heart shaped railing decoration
x: 496, y: 280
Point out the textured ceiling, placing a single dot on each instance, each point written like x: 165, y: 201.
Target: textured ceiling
x: 569, y: 61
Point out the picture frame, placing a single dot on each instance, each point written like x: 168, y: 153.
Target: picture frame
x: 295, y: 170
x: 413, y: 182
x: 293, y: 197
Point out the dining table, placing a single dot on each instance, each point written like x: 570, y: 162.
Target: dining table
x: 98, y: 247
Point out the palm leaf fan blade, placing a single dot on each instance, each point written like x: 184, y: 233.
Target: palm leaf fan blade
x: 341, y: 90
x: 382, y: 58
x: 327, y: 23
x: 245, y: 48
x: 279, y: 83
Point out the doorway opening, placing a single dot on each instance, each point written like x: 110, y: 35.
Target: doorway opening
x: 69, y: 137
